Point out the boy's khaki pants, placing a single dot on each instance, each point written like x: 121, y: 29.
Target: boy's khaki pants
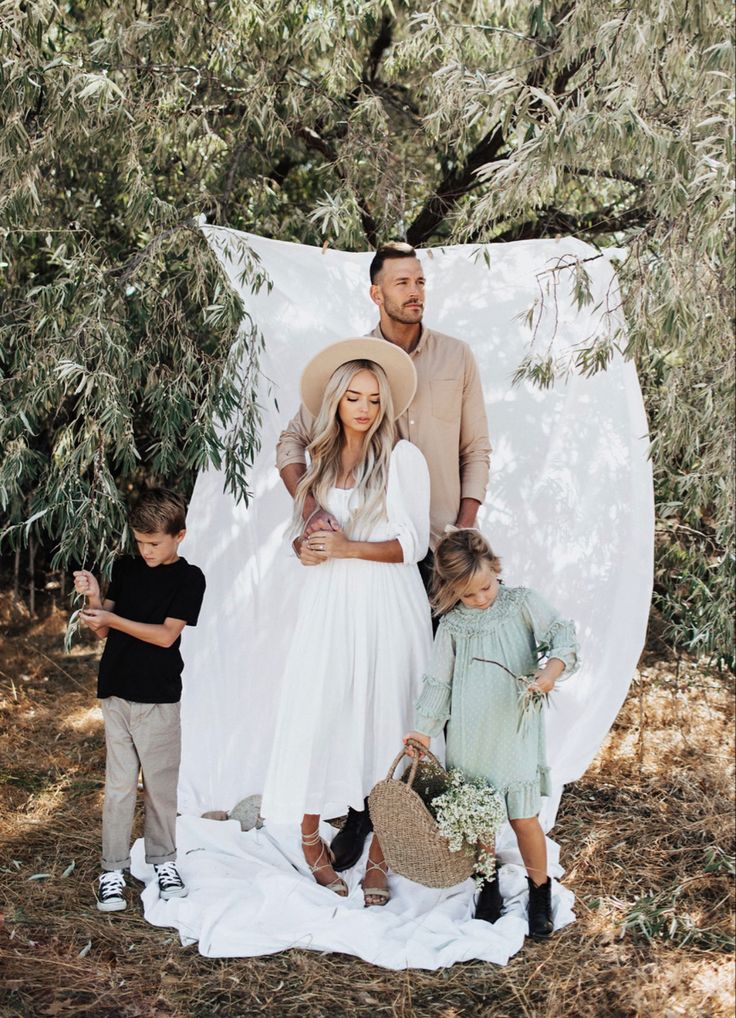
x: 145, y: 735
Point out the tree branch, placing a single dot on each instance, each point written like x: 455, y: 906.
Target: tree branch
x: 458, y: 182
x: 553, y: 221
x: 382, y: 43
x: 313, y: 140
x: 455, y: 184
x: 124, y: 271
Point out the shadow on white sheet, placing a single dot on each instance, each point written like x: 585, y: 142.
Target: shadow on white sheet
x: 250, y: 894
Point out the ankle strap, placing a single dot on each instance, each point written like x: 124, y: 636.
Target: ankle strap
x: 311, y: 839
x: 371, y: 865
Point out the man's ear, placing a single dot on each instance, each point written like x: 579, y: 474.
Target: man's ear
x: 375, y: 294
x: 181, y: 535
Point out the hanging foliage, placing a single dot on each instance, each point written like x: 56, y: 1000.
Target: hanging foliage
x: 350, y: 122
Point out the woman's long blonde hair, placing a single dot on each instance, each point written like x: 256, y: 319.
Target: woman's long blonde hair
x: 458, y: 558
x: 371, y: 472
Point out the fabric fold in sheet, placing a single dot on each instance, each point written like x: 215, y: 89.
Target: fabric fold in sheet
x: 569, y: 511
x: 250, y: 894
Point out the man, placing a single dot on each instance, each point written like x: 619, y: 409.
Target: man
x: 446, y: 420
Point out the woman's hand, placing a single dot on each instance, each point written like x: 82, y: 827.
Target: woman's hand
x: 307, y: 557
x: 418, y: 737
x: 327, y: 544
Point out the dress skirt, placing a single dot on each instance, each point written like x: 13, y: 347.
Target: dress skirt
x: 353, y: 673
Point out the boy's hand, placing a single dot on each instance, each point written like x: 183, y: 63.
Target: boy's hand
x: 95, y: 618
x: 85, y: 583
x: 418, y: 737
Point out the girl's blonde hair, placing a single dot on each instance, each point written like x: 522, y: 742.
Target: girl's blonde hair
x: 371, y: 472
x: 458, y: 558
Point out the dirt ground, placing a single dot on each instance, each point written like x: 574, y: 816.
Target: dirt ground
x: 647, y: 836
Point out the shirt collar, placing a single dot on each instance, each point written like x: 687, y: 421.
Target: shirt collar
x: 423, y: 337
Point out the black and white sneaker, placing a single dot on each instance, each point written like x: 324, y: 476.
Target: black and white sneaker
x: 170, y: 884
x: 111, y: 892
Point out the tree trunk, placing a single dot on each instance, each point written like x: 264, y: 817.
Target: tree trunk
x: 31, y: 575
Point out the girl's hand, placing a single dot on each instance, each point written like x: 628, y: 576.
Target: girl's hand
x: 544, y: 683
x: 327, y: 544
x: 95, y: 618
x: 418, y: 737
x: 85, y: 583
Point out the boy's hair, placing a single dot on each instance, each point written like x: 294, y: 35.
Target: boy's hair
x: 392, y: 249
x: 158, y: 510
x: 457, y: 559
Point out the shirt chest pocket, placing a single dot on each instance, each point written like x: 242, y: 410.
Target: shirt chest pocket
x: 447, y: 395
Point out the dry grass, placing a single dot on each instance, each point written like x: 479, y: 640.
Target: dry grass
x: 647, y: 835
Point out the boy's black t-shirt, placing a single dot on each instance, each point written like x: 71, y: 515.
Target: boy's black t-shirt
x: 131, y: 668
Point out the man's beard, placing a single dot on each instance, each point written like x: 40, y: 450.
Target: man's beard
x: 397, y: 313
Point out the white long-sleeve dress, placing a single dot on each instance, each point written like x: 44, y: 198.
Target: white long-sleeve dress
x: 353, y: 673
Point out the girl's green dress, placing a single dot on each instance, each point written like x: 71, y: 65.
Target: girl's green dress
x: 481, y: 701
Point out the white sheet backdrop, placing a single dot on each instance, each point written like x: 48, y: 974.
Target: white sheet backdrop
x: 569, y: 510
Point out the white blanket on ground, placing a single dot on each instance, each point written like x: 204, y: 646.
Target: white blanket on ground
x: 569, y: 510
x: 251, y: 894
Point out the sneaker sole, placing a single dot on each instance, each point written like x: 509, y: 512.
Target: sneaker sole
x: 111, y: 906
x: 179, y: 893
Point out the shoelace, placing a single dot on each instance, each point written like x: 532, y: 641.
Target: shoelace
x: 168, y: 875
x: 111, y: 885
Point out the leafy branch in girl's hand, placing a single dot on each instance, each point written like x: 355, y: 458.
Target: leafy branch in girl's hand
x: 529, y: 697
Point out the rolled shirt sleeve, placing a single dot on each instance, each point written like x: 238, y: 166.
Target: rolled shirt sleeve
x: 475, y: 446
x: 432, y: 709
x: 407, y: 500
x: 294, y: 439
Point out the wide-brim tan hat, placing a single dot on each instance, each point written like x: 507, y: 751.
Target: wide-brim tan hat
x: 400, y: 371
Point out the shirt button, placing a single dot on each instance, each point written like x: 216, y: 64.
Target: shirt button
x: 411, y: 422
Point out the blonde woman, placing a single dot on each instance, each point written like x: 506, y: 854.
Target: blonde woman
x: 363, y: 634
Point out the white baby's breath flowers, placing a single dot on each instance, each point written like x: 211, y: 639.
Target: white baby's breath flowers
x: 471, y: 811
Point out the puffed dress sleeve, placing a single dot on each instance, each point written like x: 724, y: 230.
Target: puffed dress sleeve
x: 432, y: 708
x: 407, y: 500
x: 556, y: 634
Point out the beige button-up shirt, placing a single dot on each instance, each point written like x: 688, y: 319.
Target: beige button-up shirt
x: 446, y: 420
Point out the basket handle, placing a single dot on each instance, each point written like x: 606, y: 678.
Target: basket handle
x: 422, y: 751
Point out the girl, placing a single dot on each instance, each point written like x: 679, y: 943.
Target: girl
x: 363, y: 634
x: 487, y: 632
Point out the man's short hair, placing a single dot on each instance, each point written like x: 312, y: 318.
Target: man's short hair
x: 393, y: 249
x: 158, y: 511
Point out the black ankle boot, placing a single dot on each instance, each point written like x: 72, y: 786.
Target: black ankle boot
x: 540, y: 909
x: 347, y: 845
x: 490, y: 903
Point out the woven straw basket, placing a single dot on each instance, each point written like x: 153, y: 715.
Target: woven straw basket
x: 408, y: 832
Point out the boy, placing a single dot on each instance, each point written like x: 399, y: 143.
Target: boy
x: 150, y: 600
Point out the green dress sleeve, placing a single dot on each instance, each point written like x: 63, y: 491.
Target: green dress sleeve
x: 556, y: 633
x: 433, y: 706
